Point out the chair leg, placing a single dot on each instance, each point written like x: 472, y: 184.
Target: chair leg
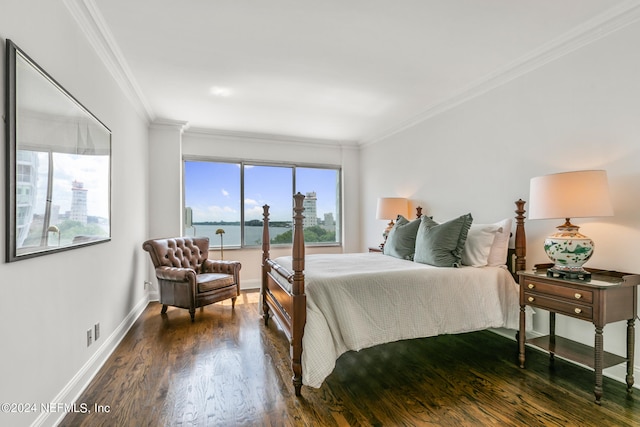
x: 233, y: 302
x: 192, y: 313
x: 164, y: 309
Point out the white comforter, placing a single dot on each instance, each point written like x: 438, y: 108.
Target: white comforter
x: 355, y: 301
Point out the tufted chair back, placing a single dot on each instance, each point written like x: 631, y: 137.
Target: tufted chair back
x: 179, y: 252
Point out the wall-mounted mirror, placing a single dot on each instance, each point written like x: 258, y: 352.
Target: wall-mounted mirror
x: 58, y: 165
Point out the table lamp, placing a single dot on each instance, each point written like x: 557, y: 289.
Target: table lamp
x: 388, y: 209
x: 579, y: 194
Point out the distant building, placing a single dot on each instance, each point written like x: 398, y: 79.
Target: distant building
x: 310, y: 210
x: 78, y: 202
x: 54, y: 219
x: 26, y: 191
x: 329, y: 222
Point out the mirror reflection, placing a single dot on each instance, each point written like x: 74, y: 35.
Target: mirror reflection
x: 62, y: 167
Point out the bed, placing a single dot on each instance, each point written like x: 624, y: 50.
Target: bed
x: 333, y: 303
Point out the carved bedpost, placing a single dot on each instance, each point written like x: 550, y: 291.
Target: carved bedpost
x: 266, y: 244
x: 299, y: 297
x: 521, y: 239
x: 418, y: 211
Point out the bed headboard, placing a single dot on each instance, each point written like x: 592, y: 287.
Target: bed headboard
x: 516, y: 256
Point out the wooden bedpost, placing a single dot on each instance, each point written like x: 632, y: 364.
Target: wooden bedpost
x: 521, y: 239
x: 266, y: 244
x: 299, y: 297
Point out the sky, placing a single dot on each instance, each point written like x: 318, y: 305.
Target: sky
x: 212, y: 190
x: 91, y: 171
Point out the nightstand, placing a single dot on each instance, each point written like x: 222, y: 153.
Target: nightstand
x: 609, y: 296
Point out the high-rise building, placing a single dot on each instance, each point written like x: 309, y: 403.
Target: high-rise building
x: 26, y: 191
x: 310, y: 210
x: 78, y: 202
x: 329, y: 222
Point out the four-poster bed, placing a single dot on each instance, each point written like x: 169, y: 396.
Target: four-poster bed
x: 354, y: 301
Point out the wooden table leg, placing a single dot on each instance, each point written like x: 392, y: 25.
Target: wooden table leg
x: 631, y: 342
x: 598, y: 348
x: 522, y: 336
x: 552, y: 337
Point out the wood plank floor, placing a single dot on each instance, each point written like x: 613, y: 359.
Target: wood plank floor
x: 228, y: 369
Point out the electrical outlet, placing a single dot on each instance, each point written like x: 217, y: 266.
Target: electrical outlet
x: 147, y: 284
x: 89, y: 337
x: 96, y: 331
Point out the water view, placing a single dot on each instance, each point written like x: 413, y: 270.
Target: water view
x: 253, y: 234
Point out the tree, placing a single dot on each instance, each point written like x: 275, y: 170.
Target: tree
x: 313, y: 234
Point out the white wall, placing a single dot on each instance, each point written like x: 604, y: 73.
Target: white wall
x: 580, y: 111
x: 231, y: 146
x: 165, y: 177
x: 48, y: 303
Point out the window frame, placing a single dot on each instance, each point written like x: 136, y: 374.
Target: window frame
x: 293, y: 166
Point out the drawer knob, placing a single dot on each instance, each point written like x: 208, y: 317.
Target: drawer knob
x: 577, y: 295
x: 531, y: 299
x: 578, y: 310
x: 531, y: 286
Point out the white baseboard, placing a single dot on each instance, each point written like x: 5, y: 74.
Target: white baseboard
x: 250, y: 284
x: 72, y: 391
x: 617, y: 373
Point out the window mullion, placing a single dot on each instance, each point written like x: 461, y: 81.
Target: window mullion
x: 293, y: 181
x: 242, y: 220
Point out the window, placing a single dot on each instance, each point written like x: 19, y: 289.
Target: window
x: 224, y: 202
x: 271, y: 185
x: 212, y: 199
x: 321, y: 204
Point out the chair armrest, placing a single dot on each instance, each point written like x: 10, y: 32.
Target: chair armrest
x: 176, y: 274
x: 220, y: 266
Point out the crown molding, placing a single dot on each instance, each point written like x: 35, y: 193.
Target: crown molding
x: 93, y: 25
x: 274, y: 138
x: 168, y: 124
x: 590, y: 31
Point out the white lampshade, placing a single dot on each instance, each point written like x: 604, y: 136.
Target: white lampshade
x: 580, y: 194
x: 390, y: 207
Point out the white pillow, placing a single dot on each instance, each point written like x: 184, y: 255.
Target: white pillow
x: 500, y: 247
x: 479, y: 243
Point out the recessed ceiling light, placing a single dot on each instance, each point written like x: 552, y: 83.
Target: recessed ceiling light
x: 220, y: 91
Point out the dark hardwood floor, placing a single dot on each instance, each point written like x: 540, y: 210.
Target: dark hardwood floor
x: 228, y: 369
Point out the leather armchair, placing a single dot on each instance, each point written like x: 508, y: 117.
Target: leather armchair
x: 187, y: 278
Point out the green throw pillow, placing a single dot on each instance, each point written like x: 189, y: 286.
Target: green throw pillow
x: 401, y: 241
x: 441, y: 245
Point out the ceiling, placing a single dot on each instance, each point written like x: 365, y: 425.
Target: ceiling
x: 349, y: 71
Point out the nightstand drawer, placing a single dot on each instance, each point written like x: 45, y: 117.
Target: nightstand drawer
x: 584, y: 296
x: 568, y: 308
